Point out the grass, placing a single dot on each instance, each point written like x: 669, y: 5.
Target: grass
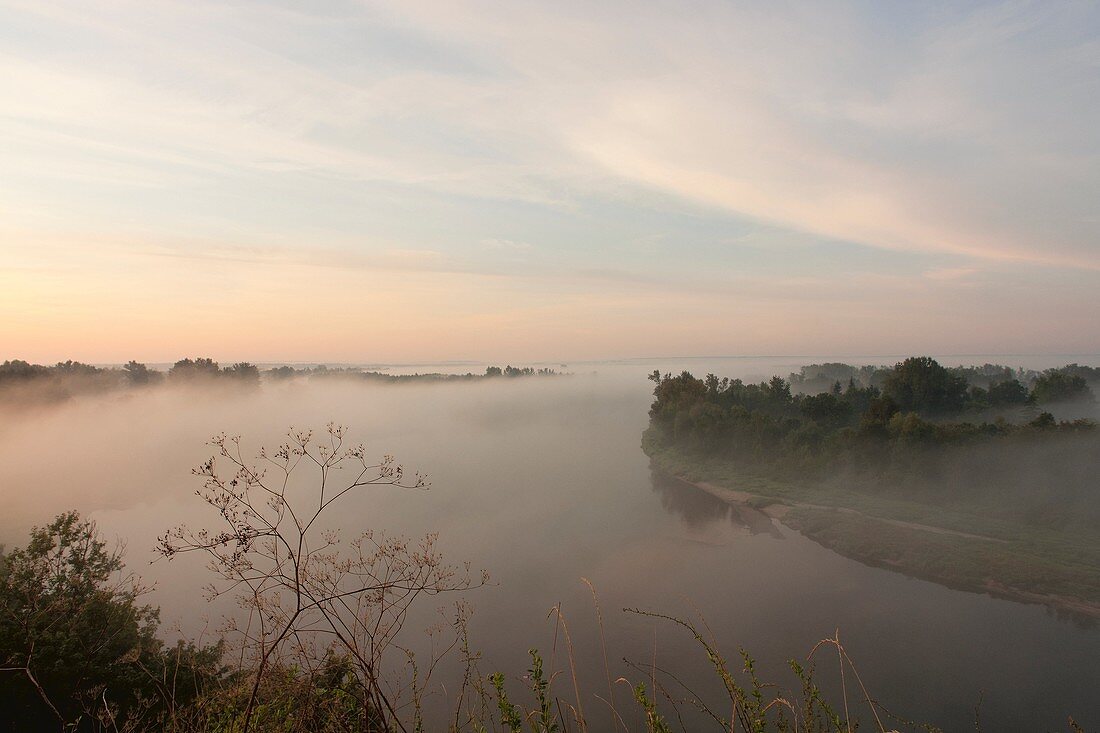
x: 662, y: 702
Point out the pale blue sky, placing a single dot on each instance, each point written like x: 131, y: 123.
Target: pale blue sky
x: 547, y: 181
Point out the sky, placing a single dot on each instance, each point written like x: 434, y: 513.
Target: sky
x: 547, y: 181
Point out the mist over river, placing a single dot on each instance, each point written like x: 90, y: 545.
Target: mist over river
x: 541, y: 482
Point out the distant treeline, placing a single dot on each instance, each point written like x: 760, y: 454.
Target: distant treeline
x: 1068, y: 382
x: 866, y: 418
x: 286, y: 372
x: 132, y: 372
x: 67, y: 378
x: 21, y: 380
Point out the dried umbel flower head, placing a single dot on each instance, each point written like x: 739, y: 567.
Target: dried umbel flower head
x: 305, y: 593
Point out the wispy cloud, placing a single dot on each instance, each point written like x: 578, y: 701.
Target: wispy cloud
x: 967, y: 132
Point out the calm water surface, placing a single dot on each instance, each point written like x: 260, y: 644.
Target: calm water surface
x: 542, y: 483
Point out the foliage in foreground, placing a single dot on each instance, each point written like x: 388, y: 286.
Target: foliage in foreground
x: 80, y: 654
x: 77, y: 647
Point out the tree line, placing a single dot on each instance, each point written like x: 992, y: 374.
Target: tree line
x: 913, y: 408
x: 324, y: 371
x: 38, y: 382
x: 1069, y: 382
x: 16, y: 371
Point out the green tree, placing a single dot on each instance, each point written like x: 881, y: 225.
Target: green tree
x: 675, y: 394
x: 1057, y: 386
x: 243, y: 372
x: 920, y: 384
x: 138, y: 373
x: 1007, y: 393
x: 1045, y: 421
x: 187, y: 369
x: 778, y: 390
x: 17, y: 369
x: 826, y: 409
x: 71, y: 629
x: 75, y: 368
x: 282, y: 372
x: 877, y: 416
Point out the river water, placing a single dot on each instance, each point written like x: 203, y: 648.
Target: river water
x: 542, y: 483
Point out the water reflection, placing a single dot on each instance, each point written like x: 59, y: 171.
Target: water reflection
x: 698, y: 508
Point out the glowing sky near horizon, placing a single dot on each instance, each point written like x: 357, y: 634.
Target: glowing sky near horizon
x: 416, y: 181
